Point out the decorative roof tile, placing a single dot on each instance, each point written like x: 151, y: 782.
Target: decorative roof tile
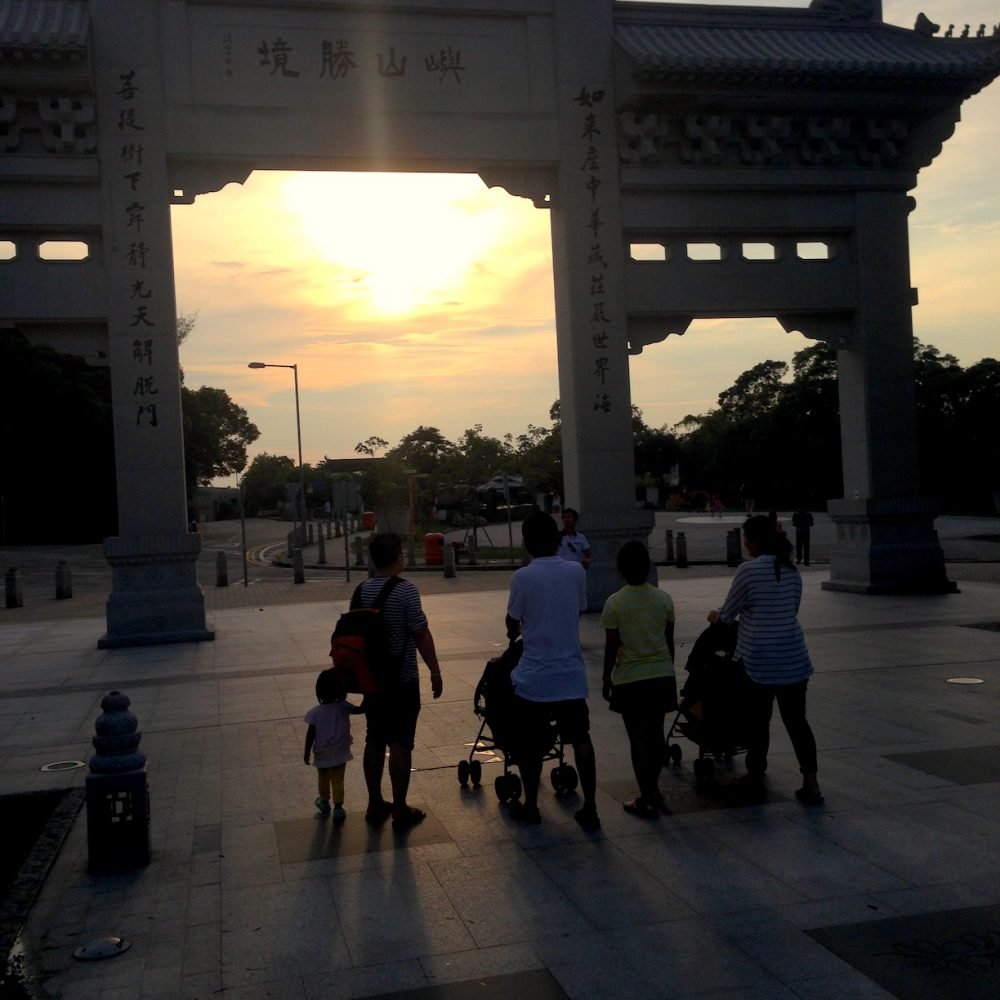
x: 56, y: 28
x: 671, y: 42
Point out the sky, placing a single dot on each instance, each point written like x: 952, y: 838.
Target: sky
x: 414, y: 299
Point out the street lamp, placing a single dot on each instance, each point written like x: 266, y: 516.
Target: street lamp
x: 298, y: 430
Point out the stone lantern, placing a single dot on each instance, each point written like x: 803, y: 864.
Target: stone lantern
x: 117, y: 791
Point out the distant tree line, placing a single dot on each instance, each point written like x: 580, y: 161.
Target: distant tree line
x: 776, y: 427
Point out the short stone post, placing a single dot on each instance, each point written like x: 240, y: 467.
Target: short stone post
x: 290, y: 541
x: 64, y: 581
x: 117, y: 791
x: 320, y: 541
x: 733, y: 547
x: 329, y: 528
x: 449, y: 562
x: 221, y: 570
x: 359, y: 551
x: 670, y: 545
x: 473, y: 555
x: 12, y: 589
x: 309, y: 533
x: 682, y: 550
x: 336, y: 529
x: 299, y: 568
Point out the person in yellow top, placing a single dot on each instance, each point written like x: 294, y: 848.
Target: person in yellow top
x: 639, y: 671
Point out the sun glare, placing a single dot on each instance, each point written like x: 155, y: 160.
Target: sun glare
x: 409, y: 241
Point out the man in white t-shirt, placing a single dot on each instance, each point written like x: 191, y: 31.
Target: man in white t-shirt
x: 573, y: 545
x: 546, y: 600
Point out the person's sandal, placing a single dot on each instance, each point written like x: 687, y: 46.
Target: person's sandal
x: 640, y: 807
x: 408, y: 819
x: 809, y: 796
x: 521, y: 813
x: 379, y: 814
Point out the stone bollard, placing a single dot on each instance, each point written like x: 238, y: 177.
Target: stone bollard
x: 329, y: 529
x: 359, y: 551
x: 733, y: 547
x: 670, y: 545
x: 309, y: 532
x: 299, y: 568
x: 64, y: 581
x: 12, y: 587
x: 682, y: 550
x: 472, y: 550
x: 221, y: 570
x: 336, y: 529
x: 449, y: 562
x: 117, y: 791
x: 290, y: 542
x: 321, y: 554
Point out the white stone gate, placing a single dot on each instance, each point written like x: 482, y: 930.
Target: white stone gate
x: 786, y: 140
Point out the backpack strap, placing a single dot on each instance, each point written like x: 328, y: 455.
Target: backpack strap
x: 381, y: 598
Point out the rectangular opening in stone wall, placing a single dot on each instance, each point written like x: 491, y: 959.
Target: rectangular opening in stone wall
x: 8, y: 250
x: 704, y: 251
x: 812, y: 251
x: 63, y: 250
x: 759, y: 251
x: 647, y: 251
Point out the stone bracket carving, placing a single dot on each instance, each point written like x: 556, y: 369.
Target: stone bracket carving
x: 188, y: 179
x: 537, y: 185
x: 836, y: 329
x: 68, y: 124
x: 646, y: 330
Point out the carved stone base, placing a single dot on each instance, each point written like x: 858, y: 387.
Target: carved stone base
x: 887, y: 546
x: 155, y: 598
x: 607, y: 532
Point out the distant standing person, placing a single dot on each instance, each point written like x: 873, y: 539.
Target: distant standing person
x: 765, y: 596
x: 747, y: 496
x: 802, y: 521
x: 639, y: 671
x: 392, y: 714
x: 546, y: 600
x: 573, y: 545
x: 328, y: 742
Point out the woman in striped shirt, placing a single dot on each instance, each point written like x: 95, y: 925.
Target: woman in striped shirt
x: 765, y: 596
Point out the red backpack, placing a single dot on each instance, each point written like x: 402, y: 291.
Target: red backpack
x: 359, y: 646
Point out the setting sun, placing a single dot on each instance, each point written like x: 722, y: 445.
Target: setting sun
x: 406, y: 242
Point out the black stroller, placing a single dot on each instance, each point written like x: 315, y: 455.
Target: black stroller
x: 493, y: 703
x: 711, y: 712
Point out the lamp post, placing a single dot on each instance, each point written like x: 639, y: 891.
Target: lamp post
x: 298, y: 429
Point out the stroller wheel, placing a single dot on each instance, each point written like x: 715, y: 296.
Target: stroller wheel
x: 463, y: 772
x: 508, y: 787
x: 476, y: 773
x: 675, y: 752
x: 564, y: 779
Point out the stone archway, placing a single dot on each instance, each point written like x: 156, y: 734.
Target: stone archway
x: 630, y: 124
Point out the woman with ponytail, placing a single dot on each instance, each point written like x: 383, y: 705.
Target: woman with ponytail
x: 765, y: 596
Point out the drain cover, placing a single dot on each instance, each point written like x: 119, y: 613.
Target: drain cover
x: 63, y: 765
x: 106, y: 947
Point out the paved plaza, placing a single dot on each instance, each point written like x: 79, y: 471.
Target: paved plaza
x: 892, y: 888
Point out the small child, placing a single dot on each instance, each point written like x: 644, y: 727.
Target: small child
x: 328, y: 740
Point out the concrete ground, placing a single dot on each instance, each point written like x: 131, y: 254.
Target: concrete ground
x: 892, y: 888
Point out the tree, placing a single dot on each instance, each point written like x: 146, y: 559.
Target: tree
x: 216, y: 435
x: 266, y: 480
x: 370, y: 445
x: 422, y: 449
x: 57, y: 477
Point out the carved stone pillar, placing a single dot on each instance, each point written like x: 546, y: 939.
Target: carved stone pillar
x: 591, y: 322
